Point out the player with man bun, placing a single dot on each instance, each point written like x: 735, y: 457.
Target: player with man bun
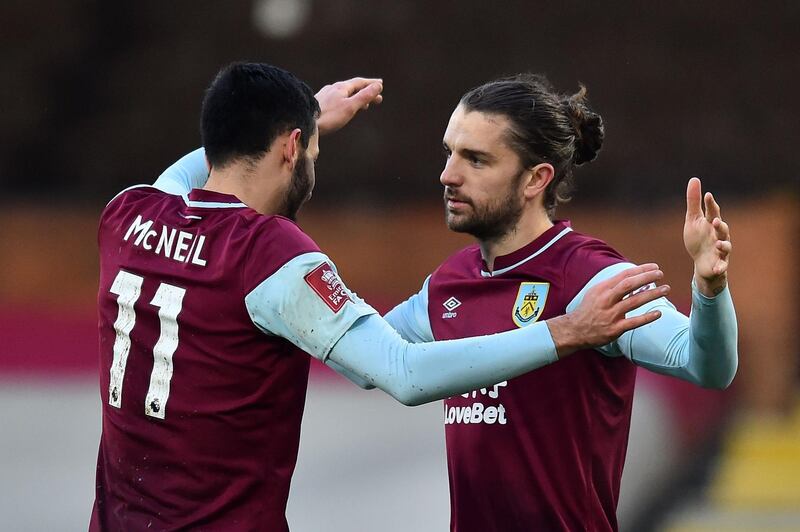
x: 544, y: 451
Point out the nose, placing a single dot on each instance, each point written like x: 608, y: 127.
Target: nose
x: 451, y: 177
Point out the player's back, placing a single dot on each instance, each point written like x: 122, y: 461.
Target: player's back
x: 201, y: 410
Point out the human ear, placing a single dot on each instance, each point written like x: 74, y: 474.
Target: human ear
x: 291, y: 148
x: 540, y: 176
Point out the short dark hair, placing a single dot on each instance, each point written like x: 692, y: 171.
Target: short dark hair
x: 248, y: 105
x: 545, y: 126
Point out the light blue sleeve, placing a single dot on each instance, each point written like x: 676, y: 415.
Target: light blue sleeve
x: 285, y: 304
x: 410, y: 318
x: 363, y: 346
x: 190, y: 171
x: 701, y: 349
x: 356, y: 379
x: 419, y: 373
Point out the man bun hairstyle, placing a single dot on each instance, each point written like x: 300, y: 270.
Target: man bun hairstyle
x: 588, y: 127
x: 248, y: 105
x: 545, y: 127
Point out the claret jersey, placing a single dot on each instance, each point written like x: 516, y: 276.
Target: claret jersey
x: 202, y: 389
x: 543, y: 451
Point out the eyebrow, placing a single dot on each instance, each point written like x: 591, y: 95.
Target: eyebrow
x: 468, y: 152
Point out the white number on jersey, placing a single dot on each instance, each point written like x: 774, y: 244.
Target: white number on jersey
x: 169, y: 300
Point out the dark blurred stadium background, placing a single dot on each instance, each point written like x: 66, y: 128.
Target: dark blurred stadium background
x: 97, y: 96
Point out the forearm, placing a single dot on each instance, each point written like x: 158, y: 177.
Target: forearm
x: 701, y: 349
x: 419, y: 373
x: 358, y: 380
x: 713, y: 339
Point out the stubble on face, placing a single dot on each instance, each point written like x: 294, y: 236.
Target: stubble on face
x: 299, y: 188
x: 491, y: 219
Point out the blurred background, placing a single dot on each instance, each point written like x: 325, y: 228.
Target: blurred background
x: 97, y: 96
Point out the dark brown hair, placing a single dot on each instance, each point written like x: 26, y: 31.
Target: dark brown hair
x: 248, y: 105
x: 545, y: 127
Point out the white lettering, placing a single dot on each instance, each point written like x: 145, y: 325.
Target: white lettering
x: 145, y: 234
x: 183, y: 244
x: 166, y: 240
x: 139, y: 229
x: 502, y: 415
x: 477, y: 413
x: 495, y: 393
x: 146, y: 241
x: 196, y: 257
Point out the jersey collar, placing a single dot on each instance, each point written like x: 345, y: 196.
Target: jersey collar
x: 207, y: 199
x: 539, y: 245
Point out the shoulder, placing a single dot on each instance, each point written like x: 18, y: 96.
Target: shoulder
x: 459, y: 263
x: 134, y: 193
x: 279, y: 234
x: 586, y: 256
x: 133, y: 198
x: 274, y: 241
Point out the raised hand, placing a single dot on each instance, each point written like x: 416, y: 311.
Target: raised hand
x: 600, y: 318
x: 340, y: 101
x: 707, y: 239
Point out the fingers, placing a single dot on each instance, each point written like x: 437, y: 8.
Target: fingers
x: 724, y: 247
x: 368, y: 95
x: 644, y: 296
x: 712, y: 207
x: 354, y: 85
x: 630, y: 272
x: 637, y: 321
x: 693, y: 203
x: 341, y: 101
x: 721, y: 229
x: 635, y: 281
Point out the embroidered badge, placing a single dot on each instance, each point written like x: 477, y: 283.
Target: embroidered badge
x: 530, y: 302
x: 326, y: 283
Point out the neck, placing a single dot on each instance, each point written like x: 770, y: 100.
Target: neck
x: 239, y: 179
x: 529, y: 227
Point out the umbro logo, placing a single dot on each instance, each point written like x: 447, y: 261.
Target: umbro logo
x: 451, y: 304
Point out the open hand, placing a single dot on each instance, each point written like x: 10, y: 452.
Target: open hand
x: 340, y: 101
x: 707, y: 239
x: 600, y: 318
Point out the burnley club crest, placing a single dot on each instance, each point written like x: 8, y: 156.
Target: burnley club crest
x: 529, y: 303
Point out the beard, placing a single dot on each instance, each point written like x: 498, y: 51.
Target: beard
x: 491, y: 220
x: 299, y: 189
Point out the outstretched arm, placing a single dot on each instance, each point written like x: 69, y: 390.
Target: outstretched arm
x: 418, y: 373
x: 306, y: 303
x: 702, y: 348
